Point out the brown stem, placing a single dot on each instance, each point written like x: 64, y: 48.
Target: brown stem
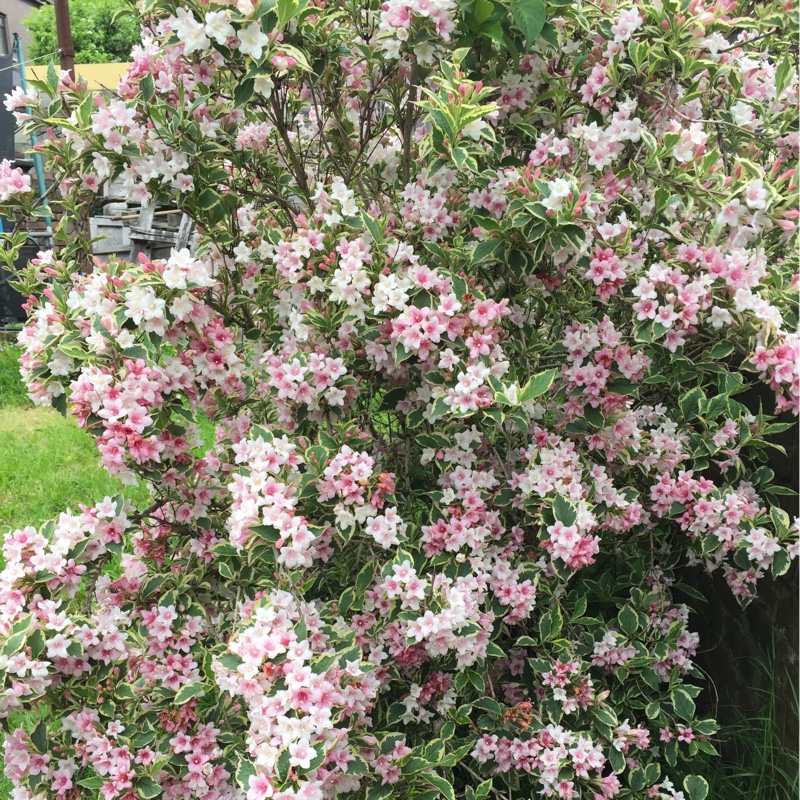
x: 408, y: 122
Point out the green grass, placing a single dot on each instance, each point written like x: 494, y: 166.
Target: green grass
x: 48, y: 463
x: 12, y: 390
x: 757, y: 763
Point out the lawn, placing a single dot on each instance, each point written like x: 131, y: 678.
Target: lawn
x: 48, y: 463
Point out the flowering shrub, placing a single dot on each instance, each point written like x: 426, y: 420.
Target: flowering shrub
x: 478, y: 291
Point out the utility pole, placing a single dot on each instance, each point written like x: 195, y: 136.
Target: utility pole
x: 64, y: 33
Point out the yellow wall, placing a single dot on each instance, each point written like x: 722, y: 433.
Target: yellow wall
x: 98, y: 76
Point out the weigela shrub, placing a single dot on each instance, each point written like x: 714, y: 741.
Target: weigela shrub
x: 460, y: 378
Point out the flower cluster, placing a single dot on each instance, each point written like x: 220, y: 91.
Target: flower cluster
x: 557, y: 756
x: 12, y: 181
x: 306, y: 698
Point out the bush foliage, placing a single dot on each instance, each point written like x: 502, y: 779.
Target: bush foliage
x: 478, y: 289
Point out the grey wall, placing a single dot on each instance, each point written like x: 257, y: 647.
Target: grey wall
x: 6, y: 117
x: 16, y: 11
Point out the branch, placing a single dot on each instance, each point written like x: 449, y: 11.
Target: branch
x: 408, y: 122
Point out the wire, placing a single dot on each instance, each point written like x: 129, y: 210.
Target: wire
x: 31, y: 60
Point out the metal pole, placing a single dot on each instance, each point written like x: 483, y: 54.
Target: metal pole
x: 37, y: 158
x: 64, y: 33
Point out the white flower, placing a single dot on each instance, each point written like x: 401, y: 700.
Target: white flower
x: 559, y: 191
x: 756, y: 195
x: 263, y: 85
x: 425, y: 52
x: 474, y: 129
x: 217, y: 26
x: 335, y: 396
x: 243, y: 253
x: 730, y: 213
x: 720, y: 317
x: 146, y: 309
x: 315, y: 285
x: 629, y: 20
x: 190, y: 32
x: 301, y: 754
x: 512, y: 393
x: 253, y: 40
x: 744, y: 116
x: 125, y: 339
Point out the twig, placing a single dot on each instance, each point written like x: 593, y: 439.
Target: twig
x: 408, y: 122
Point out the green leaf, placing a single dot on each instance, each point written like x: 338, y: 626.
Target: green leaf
x: 267, y: 533
x: 442, y: 784
x: 187, y: 692
x: 483, y: 790
x: 317, y: 456
x: 225, y: 570
x: 379, y: 792
x: 460, y: 156
x: 433, y: 752
x: 346, y: 600
x: 636, y: 779
x: 230, y: 661
x: 14, y: 643
x: 415, y: 764
x: 682, y: 703
x: 365, y: 577
x: 146, y: 787
x: 617, y: 760
x: 782, y: 75
x: 564, y: 511
x: 152, y: 585
x: 529, y: 16
x: 244, y: 772
x: 52, y: 79
x: 721, y: 350
x: 476, y: 680
x: 39, y: 737
x: 459, y: 286
x: 207, y: 199
x: 147, y: 87
x: 574, y: 234
x: 780, y: 563
x: 440, y: 408
x: 244, y: 90
x: 488, y: 704
x: 696, y: 787
x: 373, y: 226
x: 494, y: 413
x: 780, y: 519
x: 124, y: 691
x: 706, y: 747
x: 628, y: 620
x: 537, y: 385
x: 482, y: 10
x: 485, y: 249
x: 455, y: 756
x: 692, y: 403
x: 604, y: 714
